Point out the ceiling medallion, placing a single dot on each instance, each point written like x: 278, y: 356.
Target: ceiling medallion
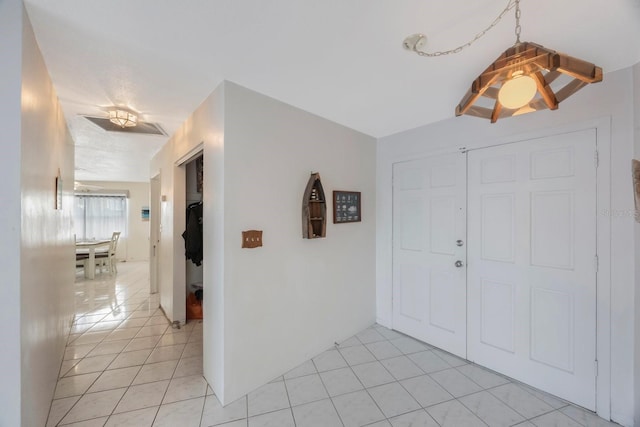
x: 519, y: 81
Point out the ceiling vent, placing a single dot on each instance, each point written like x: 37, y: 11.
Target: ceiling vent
x: 142, y: 128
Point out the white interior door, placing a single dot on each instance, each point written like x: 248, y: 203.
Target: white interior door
x: 429, y: 291
x: 532, y: 262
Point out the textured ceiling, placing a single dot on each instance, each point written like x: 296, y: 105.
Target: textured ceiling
x: 339, y: 59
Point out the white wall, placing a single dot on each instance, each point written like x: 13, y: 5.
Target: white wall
x: 269, y: 309
x: 11, y: 53
x: 613, y: 99
x: 294, y: 297
x: 135, y: 245
x: 205, y: 126
x: 47, y: 246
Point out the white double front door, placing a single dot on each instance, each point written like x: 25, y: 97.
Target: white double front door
x: 524, y: 214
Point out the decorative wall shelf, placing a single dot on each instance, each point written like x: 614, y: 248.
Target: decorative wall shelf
x: 314, y: 209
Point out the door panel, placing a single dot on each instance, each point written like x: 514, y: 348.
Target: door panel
x: 497, y: 308
x: 497, y: 220
x: 429, y: 291
x: 531, y: 275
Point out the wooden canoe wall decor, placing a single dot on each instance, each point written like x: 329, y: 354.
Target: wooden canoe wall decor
x: 314, y: 209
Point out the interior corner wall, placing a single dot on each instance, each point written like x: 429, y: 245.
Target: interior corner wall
x: 205, y: 126
x: 266, y: 310
x: 10, y: 94
x: 610, y: 99
x: 134, y: 246
x: 213, y: 269
x: 292, y: 298
x: 47, y: 241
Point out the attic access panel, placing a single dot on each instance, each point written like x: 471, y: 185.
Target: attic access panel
x: 142, y: 128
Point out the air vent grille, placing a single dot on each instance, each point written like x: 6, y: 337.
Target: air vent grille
x: 145, y: 128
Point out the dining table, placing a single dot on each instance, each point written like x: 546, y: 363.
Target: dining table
x: 90, y: 245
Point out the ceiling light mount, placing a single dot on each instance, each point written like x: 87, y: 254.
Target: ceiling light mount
x: 519, y: 81
x: 415, y: 42
x: 123, y: 117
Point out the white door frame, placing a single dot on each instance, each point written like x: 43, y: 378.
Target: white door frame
x: 603, y: 203
x: 154, y: 233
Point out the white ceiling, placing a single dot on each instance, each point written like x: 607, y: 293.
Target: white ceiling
x: 339, y: 59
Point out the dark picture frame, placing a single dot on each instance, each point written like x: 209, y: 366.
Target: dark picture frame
x: 635, y: 167
x: 58, y: 193
x: 347, y: 207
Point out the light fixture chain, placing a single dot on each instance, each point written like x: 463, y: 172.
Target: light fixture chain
x: 518, y: 27
x: 510, y: 5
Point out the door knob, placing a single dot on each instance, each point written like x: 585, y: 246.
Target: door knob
x: 459, y: 243
x: 459, y: 264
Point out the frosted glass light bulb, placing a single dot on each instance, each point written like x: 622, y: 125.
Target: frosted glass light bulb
x: 517, y: 92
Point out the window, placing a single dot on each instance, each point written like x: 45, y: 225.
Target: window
x: 97, y: 217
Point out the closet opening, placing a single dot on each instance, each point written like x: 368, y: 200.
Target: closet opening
x: 193, y: 240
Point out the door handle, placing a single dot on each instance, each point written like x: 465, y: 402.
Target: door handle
x: 459, y: 263
x: 459, y: 243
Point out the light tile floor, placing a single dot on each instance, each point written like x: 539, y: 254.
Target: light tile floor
x: 125, y: 366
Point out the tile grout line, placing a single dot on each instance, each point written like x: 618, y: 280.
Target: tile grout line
x: 286, y: 390
x: 399, y: 383
x: 81, y: 395
x: 100, y: 373
x: 60, y: 376
x: 327, y: 391
x: 130, y: 385
x: 366, y: 389
x: 126, y: 388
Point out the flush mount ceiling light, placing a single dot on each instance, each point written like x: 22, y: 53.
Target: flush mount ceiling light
x: 123, y: 117
x: 519, y: 81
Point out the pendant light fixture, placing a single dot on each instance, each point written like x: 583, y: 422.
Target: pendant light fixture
x: 519, y: 81
x: 123, y: 117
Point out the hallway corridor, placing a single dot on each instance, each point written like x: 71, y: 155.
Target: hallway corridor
x: 124, y: 365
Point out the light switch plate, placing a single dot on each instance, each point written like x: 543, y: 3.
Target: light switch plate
x: 252, y: 239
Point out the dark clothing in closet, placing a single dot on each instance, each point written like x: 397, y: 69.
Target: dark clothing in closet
x: 193, y: 234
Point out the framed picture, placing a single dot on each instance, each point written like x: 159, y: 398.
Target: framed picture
x: 144, y: 213
x: 58, y: 205
x: 635, y: 167
x: 346, y: 207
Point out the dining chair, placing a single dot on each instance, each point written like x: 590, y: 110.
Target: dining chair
x: 81, y: 258
x: 108, y: 258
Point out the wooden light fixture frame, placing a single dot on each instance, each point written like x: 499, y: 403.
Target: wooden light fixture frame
x: 543, y: 65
